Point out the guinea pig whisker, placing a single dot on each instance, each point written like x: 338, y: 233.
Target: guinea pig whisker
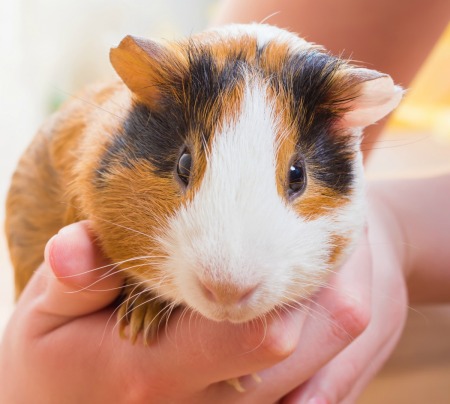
x: 113, y: 314
x: 263, y: 320
x: 111, y: 289
x: 112, y: 265
x: 205, y: 145
x: 126, y: 302
x: 123, y: 227
x: 139, y: 283
x: 305, y: 309
x: 295, y: 305
x: 164, y: 317
x: 172, y: 307
x: 128, y: 309
x: 96, y: 106
x: 181, y: 318
x: 131, y: 299
x: 265, y: 19
x: 161, y: 314
x: 317, y: 314
x: 132, y: 230
x: 193, y: 314
x: 132, y: 307
x: 144, y: 264
x: 128, y: 305
x: 102, y: 278
x: 404, y: 144
x: 162, y: 280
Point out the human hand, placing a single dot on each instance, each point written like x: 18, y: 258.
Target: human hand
x: 344, y: 378
x: 65, y: 338
x: 61, y: 344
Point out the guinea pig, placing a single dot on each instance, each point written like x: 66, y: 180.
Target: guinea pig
x: 221, y: 172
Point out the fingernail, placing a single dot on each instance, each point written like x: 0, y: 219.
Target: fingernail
x: 47, y: 252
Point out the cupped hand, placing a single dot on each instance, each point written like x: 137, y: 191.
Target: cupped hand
x: 62, y: 342
x: 344, y: 378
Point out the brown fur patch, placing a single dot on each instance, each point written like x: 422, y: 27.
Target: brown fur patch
x: 338, y: 245
x: 129, y: 214
x: 43, y: 197
x: 318, y: 201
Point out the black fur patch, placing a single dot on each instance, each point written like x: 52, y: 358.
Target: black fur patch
x: 193, y: 105
x: 207, y: 86
x: 159, y: 136
x: 145, y: 135
x: 310, y: 77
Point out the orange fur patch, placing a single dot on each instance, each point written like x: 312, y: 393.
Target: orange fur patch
x: 338, y: 244
x: 318, y: 200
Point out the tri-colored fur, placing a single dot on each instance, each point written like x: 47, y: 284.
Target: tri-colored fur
x: 262, y: 97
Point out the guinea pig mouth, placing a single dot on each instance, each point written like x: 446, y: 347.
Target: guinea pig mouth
x: 233, y: 312
x: 235, y: 316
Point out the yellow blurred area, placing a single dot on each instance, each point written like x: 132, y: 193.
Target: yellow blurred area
x: 427, y: 104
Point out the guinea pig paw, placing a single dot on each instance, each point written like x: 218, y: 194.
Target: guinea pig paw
x: 140, y: 314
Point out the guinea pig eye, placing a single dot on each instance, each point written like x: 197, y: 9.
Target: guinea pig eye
x: 296, y: 178
x: 184, y: 166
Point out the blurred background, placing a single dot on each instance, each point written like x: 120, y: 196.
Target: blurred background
x: 49, y: 49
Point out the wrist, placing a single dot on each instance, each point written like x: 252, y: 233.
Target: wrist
x: 414, y: 213
x: 391, y: 235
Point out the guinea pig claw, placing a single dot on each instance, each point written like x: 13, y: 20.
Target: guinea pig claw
x: 256, y: 378
x: 237, y: 384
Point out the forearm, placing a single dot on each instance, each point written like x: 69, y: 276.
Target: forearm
x: 393, y: 37
x: 422, y: 210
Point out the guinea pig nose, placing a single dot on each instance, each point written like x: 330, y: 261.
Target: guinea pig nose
x: 226, y: 293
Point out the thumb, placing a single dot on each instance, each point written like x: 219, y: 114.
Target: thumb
x: 78, y: 279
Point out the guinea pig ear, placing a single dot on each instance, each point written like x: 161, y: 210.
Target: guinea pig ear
x: 138, y: 62
x: 377, y: 95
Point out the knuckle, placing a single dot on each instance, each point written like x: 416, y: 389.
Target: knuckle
x: 350, y: 373
x: 279, y: 342
x: 137, y: 389
x: 350, y: 318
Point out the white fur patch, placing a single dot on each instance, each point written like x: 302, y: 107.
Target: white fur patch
x: 238, y: 231
x: 264, y: 33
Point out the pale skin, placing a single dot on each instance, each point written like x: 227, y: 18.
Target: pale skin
x: 59, y: 337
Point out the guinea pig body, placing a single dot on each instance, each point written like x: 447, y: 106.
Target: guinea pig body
x: 223, y: 172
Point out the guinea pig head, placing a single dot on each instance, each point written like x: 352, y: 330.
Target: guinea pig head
x: 241, y: 155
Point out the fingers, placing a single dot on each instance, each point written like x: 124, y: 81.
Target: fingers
x: 208, y: 352
x: 211, y: 352
x: 345, y: 376
x: 74, y: 280
x: 342, y: 312
x: 340, y: 315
